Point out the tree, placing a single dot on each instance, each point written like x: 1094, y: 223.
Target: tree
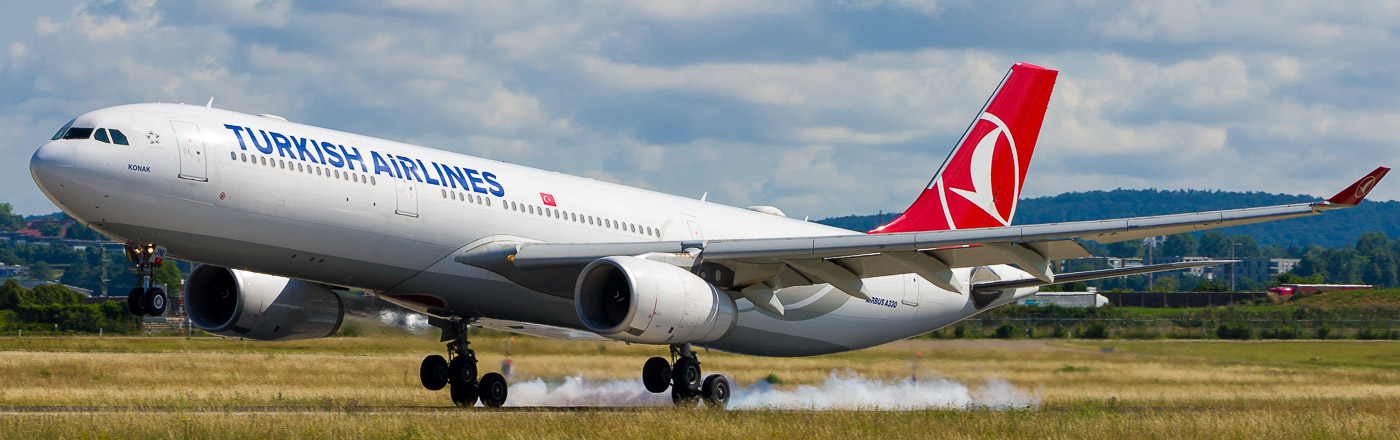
x: 1179, y: 245
x: 11, y: 294
x: 1245, y: 246
x: 79, y: 231
x: 169, y: 274
x: 51, y: 229
x: 9, y: 221
x: 1214, y: 244
x: 41, y: 270
x: 1211, y: 286
x: 1165, y: 284
x: 1125, y: 249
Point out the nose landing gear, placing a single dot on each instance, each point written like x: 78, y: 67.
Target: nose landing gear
x: 684, y: 378
x: 459, y: 373
x: 146, y: 300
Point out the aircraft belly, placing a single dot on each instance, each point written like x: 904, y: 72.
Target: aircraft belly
x: 470, y: 291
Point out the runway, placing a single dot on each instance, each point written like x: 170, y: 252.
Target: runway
x: 448, y: 410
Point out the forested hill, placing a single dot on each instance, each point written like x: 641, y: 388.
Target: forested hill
x: 1333, y: 229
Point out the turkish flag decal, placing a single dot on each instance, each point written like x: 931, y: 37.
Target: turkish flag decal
x: 548, y: 199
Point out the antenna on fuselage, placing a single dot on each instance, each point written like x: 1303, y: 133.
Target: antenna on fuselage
x: 210, y: 104
x: 704, y: 196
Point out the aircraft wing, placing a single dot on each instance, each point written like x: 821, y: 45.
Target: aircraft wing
x: 844, y: 260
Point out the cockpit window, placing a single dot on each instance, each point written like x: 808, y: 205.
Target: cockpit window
x: 117, y: 137
x: 102, y: 136
x: 78, y: 133
x: 62, y: 131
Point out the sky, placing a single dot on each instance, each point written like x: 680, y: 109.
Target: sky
x: 818, y: 108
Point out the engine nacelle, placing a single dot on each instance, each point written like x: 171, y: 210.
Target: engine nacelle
x: 637, y: 300
x: 243, y: 304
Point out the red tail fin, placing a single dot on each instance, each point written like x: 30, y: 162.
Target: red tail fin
x: 980, y: 182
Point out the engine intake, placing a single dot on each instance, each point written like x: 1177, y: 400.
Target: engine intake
x: 251, y: 305
x: 637, y: 300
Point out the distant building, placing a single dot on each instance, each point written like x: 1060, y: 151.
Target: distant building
x: 1097, y: 263
x: 1065, y: 299
x: 1196, y: 271
x: 1254, y: 268
x: 30, y: 284
x: 12, y: 271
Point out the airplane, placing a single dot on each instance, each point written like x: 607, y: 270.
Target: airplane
x: 284, y: 217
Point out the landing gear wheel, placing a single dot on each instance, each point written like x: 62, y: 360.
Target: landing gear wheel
x: 716, y: 391
x: 134, y: 301
x: 154, y: 302
x: 686, y: 375
x: 656, y: 374
x: 433, y: 372
x: 464, y: 395
x: 493, y: 390
x: 462, y: 371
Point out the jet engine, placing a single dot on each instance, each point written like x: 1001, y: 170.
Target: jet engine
x: 637, y: 300
x: 243, y: 304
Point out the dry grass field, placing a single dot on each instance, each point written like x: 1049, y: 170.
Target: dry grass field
x: 368, y: 387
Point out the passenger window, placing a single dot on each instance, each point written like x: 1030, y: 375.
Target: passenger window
x: 299, y: 167
x: 444, y: 193
x: 78, y: 133
x: 531, y: 208
x: 263, y: 159
x: 102, y: 136
x: 244, y: 156
x: 232, y: 156
x: 118, y: 138
x: 62, y: 131
x: 337, y: 174
x: 371, y: 180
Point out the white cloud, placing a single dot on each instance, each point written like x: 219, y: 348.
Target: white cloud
x: 817, y: 109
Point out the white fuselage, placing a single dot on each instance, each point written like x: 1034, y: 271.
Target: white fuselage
x: 206, y: 184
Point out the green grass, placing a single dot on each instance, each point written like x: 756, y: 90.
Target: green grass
x: 1369, y: 354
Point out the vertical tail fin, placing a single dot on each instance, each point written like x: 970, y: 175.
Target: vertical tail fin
x: 980, y: 181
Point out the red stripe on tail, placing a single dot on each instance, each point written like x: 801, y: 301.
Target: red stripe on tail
x: 980, y: 182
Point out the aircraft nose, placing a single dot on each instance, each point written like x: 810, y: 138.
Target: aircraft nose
x: 52, y: 166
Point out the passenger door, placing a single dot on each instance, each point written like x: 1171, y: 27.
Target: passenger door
x: 407, y: 192
x: 190, y: 145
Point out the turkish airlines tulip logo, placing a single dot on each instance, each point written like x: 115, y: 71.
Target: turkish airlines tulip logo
x: 1365, y: 186
x: 982, y: 171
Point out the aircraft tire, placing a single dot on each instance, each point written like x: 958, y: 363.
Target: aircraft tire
x: 715, y: 392
x: 154, y: 301
x: 464, y: 395
x: 433, y: 372
x: 686, y: 375
x: 493, y: 390
x: 656, y: 375
x: 461, y: 371
x: 134, y: 301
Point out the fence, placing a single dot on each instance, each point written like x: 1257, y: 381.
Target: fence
x: 1172, y: 328
x: 1179, y: 299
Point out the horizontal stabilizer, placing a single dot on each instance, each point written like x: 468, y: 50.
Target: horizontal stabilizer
x: 1096, y: 274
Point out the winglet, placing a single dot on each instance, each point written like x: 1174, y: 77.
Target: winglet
x: 1357, y: 191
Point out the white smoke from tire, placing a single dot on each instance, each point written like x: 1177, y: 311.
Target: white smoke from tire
x: 839, y: 391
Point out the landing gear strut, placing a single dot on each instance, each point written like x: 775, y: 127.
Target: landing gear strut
x: 458, y: 371
x: 146, y: 300
x: 682, y: 375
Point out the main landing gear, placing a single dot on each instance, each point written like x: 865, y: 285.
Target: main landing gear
x: 682, y: 376
x: 458, y: 371
x: 146, y: 300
